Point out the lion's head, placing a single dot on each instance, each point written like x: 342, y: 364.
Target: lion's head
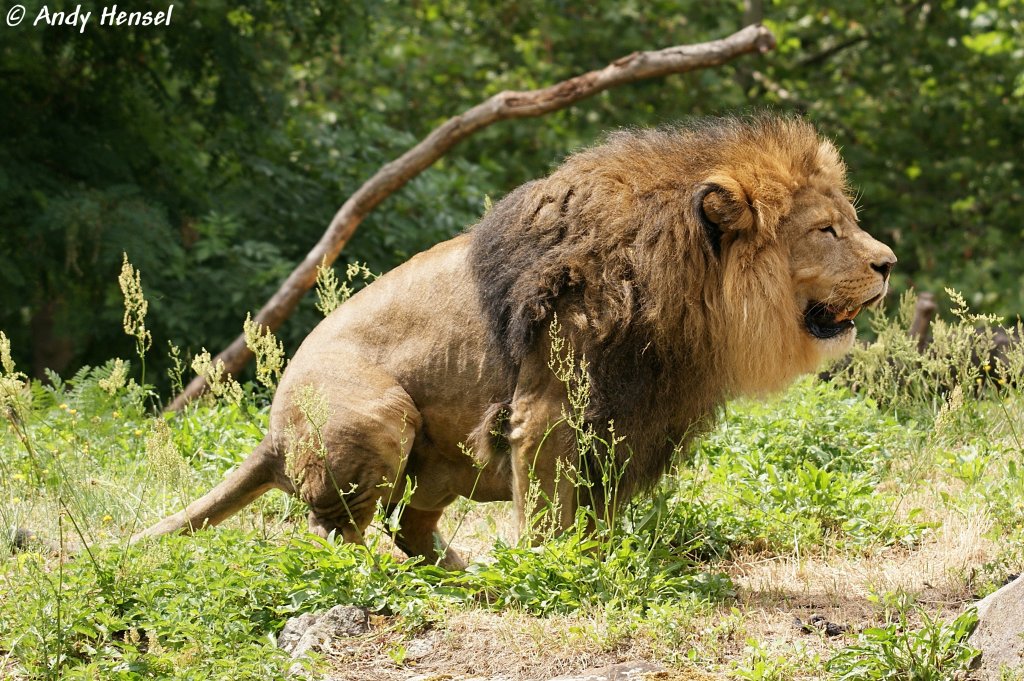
x: 688, y: 265
x: 795, y: 265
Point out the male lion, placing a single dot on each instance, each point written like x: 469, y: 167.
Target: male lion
x: 686, y: 265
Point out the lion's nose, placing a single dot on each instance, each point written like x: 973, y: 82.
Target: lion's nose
x: 884, y: 266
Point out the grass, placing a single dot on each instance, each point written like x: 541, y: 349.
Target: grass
x: 882, y: 503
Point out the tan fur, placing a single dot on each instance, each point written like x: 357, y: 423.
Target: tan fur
x: 680, y: 264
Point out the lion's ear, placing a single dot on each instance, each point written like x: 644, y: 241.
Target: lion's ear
x: 721, y: 205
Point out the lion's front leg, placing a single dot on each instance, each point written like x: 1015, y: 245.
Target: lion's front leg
x: 545, y: 463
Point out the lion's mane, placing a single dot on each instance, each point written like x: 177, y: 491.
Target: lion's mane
x: 673, y: 314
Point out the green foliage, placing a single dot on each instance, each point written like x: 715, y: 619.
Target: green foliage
x: 322, y: 573
x: 576, y: 571
x: 803, y: 470
x: 132, y: 615
x: 962, y: 354
x: 760, y: 664
x: 934, y: 651
x: 965, y: 391
x: 194, y: 150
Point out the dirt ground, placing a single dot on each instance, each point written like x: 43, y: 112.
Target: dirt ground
x: 772, y: 593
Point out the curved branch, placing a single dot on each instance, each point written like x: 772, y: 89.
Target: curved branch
x: 830, y: 52
x: 502, y: 106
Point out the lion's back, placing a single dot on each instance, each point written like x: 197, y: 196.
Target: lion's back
x: 419, y: 324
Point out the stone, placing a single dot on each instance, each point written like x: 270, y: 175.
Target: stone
x: 316, y: 632
x: 624, y: 671
x: 293, y: 630
x: 418, y: 648
x: 1000, y: 631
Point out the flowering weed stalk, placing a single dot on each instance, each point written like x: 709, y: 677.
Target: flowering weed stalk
x: 268, y: 350
x: 135, y: 308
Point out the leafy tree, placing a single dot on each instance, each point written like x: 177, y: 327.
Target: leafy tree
x: 927, y: 102
x: 159, y: 143
x: 215, y: 151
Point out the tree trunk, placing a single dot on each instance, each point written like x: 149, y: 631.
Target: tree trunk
x: 50, y: 349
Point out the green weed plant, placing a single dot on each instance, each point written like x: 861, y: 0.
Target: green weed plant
x: 935, y: 650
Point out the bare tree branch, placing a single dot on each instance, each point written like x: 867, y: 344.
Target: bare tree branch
x: 830, y: 52
x: 502, y: 106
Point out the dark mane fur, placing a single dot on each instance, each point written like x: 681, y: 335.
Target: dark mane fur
x: 614, y: 242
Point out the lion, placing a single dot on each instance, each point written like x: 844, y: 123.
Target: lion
x: 687, y: 265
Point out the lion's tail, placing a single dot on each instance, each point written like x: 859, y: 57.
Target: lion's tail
x: 260, y: 472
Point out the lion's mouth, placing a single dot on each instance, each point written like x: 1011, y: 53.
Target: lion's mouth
x: 824, y: 321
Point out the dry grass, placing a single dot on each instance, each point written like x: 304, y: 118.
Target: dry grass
x: 475, y: 643
x: 939, y: 575
x: 938, y: 571
x: 473, y: 528
x: 703, y: 643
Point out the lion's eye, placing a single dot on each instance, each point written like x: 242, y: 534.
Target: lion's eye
x: 828, y: 230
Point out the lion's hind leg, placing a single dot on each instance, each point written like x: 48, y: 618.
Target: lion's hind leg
x: 418, y: 536
x: 359, y: 456
x: 346, y: 514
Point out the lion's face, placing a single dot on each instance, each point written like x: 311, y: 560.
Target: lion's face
x: 797, y: 268
x: 836, y: 267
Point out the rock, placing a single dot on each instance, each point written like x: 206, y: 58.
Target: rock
x: 293, y: 630
x: 418, y: 648
x: 23, y: 539
x: 624, y: 671
x: 315, y: 632
x: 1000, y: 631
